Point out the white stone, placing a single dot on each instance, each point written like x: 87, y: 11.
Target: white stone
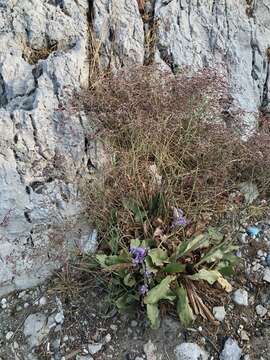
x: 94, y: 348
x: 266, y: 275
x: 261, y: 310
x: 190, y: 351
x: 35, y: 329
x: 219, y: 313
x: 59, y: 318
x: 42, y: 301
x: 240, y: 297
x: 9, y: 335
x: 108, y: 338
x: 231, y: 350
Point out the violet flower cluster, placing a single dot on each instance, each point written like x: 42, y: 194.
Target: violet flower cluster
x: 138, y: 255
x: 178, y: 218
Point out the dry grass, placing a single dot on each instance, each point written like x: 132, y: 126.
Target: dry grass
x: 166, y: 136
x: 32, y: 56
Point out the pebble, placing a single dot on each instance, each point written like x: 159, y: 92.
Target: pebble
x: 133, y: 323
x: 266, y: 275
x: 4, y: 303
x: 261, y: 310
x: 114, y: 327
x: 244, y: 335
x: 231, y: 350
x: 42, y: 301
x: 108, y: 338
x: 9, y: 335
x: 150, y: 351
x: 190, y: 351
x: 240, y: 297
x: 219, y: 313
x: 26, y: 305
x: 59, y: 318
x: 94, y: 348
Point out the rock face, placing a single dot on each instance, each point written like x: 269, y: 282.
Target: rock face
x: 45, y: 148
x: 224, y: 33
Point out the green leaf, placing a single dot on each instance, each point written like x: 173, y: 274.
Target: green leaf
x: 125, y: 301
x: 150, y: 266
x: 132, y: 205
x: 183, y: 308
x: 129, y: 280
x: 214, y: 234
x: 156, y: 205
x: 217, y: 253
x: 161, y: 291
x: 101, y: 258
x: 191, y: 245
x: 115, y: 259
x: 210, y: 276
x: 174, y: 268
x: 158, y: 256
x: 153, y: 315
x: 135, y: 243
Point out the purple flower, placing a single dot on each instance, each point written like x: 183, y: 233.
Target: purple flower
x: 143, y: 289
x: 178, y: 218
x: 138, y: 255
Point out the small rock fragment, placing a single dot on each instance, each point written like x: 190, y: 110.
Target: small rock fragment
x: 244, y: 335
x: 42, y: 301
x: 108, y: 338
x: 261, y: 310
x: 231, y: 350
x: 133, y: 323
x: 9, y: 335
x: 4, y: 303
x: 190, y: 351
x: 94, y: 348
x: 219, y: 312
x: 59, y: 318
x: 240, y: 297
x: 150, y: 351
x: 266, y: 275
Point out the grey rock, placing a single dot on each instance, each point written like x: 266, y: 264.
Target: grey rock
x: 119, y: 28
x: 44, y: 58
x: 199, y: 35
x: 261, y: 310
x: 35, y: 329
x: 190, y: 351
x: 266, y: 275
x: 94, y: 348
x: 231, y: 350
x: 240, y: 297
x: 219, y: 313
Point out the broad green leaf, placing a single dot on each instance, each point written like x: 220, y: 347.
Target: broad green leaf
x: 217, y: 253
x: 129, y: 280
x: 149, y: 265
x: 174, y: 268
x: 191, y: 245
x: 125, y: 301
x: 153, y: 315
x: 115, y: 259
x: 214, y: 234
x: 101, y: 258
x: 158, y: 256
x: 183, y: 308
x: 161, y: 291
x: 210, y: 276
x: 135, y: 243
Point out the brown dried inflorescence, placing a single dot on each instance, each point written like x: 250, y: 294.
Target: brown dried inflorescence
x: 151, y: 119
